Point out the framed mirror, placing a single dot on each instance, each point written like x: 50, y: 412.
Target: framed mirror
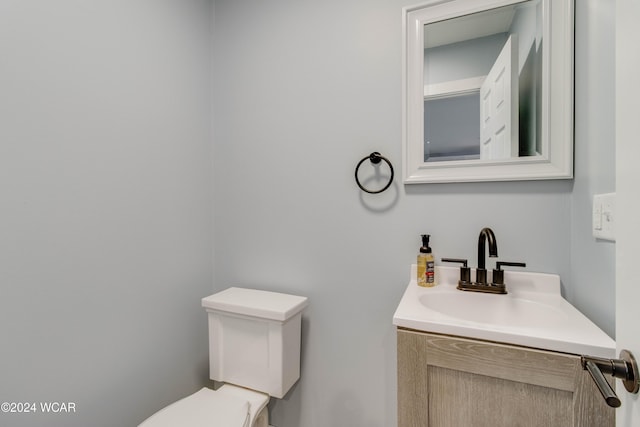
x: 488, y: 90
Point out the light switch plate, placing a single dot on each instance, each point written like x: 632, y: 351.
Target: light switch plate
x: 604, y: 216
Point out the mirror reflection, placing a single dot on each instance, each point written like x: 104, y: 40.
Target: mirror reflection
x: 483, y: 85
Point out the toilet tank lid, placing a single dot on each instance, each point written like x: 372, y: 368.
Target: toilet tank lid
x: 252, y: 302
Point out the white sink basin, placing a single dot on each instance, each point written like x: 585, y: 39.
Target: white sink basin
x: 532, y: 314
x: 474, y: 307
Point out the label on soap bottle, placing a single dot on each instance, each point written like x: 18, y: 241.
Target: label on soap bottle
x: 430, y: 274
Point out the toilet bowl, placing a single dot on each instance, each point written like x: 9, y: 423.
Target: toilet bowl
x: 229, y: 406
x: 254, y: 349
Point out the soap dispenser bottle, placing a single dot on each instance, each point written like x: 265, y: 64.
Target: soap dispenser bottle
x: 426, y: 264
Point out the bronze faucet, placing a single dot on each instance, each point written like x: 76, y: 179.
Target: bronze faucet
x: 486, y: 234
x: 481, y: 285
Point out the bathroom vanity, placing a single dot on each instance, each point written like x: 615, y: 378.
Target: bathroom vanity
x: 446, y: 381
x: 471, y: 359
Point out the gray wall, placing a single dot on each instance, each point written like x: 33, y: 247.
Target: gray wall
x: 462, y: 60
x: 593, y: 261
x: 303, y: 91
x: 106, y: 205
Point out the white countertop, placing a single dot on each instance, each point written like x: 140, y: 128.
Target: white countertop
x: 532, y: 314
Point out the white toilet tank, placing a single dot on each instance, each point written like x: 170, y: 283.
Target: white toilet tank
x: 254, y: 339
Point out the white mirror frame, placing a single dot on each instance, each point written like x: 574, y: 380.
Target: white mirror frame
x: 556, y: 161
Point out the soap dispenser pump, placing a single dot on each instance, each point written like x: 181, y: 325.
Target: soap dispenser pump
x: 426, y: 264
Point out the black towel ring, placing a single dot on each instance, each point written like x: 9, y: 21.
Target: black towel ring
x: 375, y: 158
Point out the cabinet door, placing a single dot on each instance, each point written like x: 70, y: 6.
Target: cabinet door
x: 447, y: 381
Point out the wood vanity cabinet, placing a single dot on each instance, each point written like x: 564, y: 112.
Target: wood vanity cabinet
x: 446, y: 381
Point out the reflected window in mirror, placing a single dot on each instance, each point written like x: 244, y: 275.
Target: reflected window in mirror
x: 451, y: 130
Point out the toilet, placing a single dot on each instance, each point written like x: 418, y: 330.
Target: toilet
x: 254, y: 349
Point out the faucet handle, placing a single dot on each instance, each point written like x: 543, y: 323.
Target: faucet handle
x: 465, y: 272
x: 459, y: 260
x: 498, y: 274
